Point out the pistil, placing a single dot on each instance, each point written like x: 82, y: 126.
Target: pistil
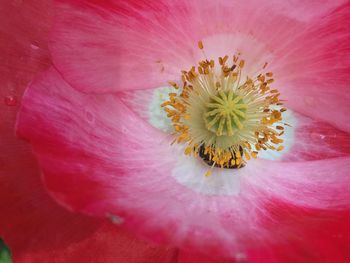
x: 223, y: 118
x: 225, y: 113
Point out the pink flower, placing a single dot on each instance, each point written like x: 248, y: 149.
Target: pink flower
x: 103, y: 142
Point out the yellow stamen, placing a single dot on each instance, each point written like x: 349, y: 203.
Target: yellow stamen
x: 200, y: 45
x: 222, y: 117
x: 209, y: 173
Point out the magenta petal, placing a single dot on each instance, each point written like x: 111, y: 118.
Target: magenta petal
x: 83, y: 142
x: 122, y: 45
x: 316, y: 140
x: 34, y: 226
x: 98, y: 157
x: 307, y: 10
x: 313, y: 69
x: 118, y: 45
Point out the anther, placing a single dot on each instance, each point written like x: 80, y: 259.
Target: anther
x: 231, y: 117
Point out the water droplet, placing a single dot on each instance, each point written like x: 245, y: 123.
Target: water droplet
x: 10, y: 100
x: 318, y: 136
x: 34, y: 45
x: 115, y: 219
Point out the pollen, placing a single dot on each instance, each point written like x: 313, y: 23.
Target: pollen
x: 224, y: 116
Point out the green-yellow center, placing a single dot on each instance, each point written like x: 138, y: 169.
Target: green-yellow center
x: 225, y: 113
x: 225, y: 117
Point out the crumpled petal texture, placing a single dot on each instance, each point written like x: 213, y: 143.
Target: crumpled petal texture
x: 164, y: 34
x: 114, y: 170
x: 34, y: 226
x: 100, y: 158
x: 313, y: 69
x: 137, y: 45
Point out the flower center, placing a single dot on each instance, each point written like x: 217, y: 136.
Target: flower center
x: 225, y: 113
x: 224, y: 116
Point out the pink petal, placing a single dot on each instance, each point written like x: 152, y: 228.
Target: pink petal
x: 307, y: 10
x: 67, y: 128
x: 314, y: 184
x: 99, y: 158
x: 306, y: 139
x: 316, y: 140
x: 116, y: 45
x: 312, y: 71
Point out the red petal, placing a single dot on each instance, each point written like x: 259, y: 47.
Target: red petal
x: 191, y: 257
x: 32, y: 224
x: 85, y: 137
x: 304, y: 236
x: 316, y: 140
x: 107, y: 244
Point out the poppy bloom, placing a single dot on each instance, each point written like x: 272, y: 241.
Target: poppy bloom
x: 211, y: 166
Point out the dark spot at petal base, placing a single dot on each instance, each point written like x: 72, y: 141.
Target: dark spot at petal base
x: 206, y: 159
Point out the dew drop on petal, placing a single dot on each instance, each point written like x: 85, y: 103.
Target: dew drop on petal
x: 317, y: 136
x: 115, y: 219
x: 34, y: 46
x: 10, y: 100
